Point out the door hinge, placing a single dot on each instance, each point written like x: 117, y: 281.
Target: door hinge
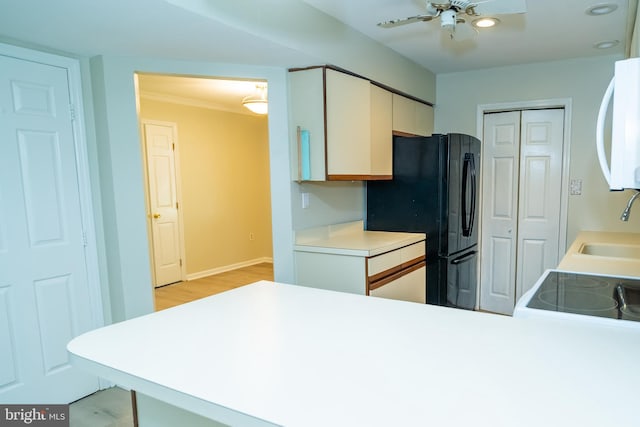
x: 173, y: 146
x: 72, y: 111
x: 180, y: 262
x: 177, y: 205
x: 84, y: 238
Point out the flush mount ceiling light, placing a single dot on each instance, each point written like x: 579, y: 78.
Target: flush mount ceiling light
x: 601, y: 9
x: 257, y: 102
x: 486, y: 22
x: 606, y: 44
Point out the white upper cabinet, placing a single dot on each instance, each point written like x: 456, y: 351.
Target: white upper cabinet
x: 348, y: 101
x: 306, y: 90
x: 411, y: 117
x: 381, y: 131
x: 342, y: 125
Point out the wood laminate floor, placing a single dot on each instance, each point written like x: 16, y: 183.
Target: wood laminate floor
x: 182, y: 292
x: 105, y: 408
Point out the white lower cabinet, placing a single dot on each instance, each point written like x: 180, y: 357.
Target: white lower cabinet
x: 410, y: 286
x: 398, y: 274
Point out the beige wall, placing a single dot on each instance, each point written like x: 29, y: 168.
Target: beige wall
x: 583, y: 81
x: 224, y: 173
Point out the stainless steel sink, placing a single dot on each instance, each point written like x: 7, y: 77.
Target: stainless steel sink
x: 612, y: 251
x: 628, y: 297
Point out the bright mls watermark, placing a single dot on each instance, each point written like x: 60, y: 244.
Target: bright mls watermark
x: 34, y: 415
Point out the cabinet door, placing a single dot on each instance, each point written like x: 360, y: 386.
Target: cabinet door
x: 333, y: 272
x: 408, y: 287
x: 403, y: 114
x: 307, y: 112
x: 424, y: 119
x: 412, y: 117
x: 381, y: 133
x: 348, y: 101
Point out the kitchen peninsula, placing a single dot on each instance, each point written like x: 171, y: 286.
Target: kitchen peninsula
x: 276, y: 354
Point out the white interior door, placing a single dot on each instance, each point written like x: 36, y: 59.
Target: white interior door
x: 45, y: 298
x: 522, y: 171
x: 166, y: 233
x: 539, y: 195
x: 500, y: 171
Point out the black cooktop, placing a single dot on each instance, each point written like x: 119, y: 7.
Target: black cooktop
x: 602, y: 296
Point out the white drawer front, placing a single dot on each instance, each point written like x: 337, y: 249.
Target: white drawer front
x: 410, y: 287
x: 388, y: 260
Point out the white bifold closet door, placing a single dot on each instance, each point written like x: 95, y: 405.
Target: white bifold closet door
x: 521, y: 190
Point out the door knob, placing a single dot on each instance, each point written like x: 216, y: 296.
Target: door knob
x: 156, y: 215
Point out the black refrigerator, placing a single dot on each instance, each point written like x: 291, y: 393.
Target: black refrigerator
x: 435, y: 191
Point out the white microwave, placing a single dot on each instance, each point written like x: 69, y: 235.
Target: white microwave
x: 624, y: 171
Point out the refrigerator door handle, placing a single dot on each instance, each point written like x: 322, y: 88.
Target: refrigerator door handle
x: 466, y: 226
x: 466, y: 257
x: 473, y: 195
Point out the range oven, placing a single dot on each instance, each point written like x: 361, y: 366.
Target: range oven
x: 604, y: 299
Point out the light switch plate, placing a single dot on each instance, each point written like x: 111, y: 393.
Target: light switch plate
x: 575, y: 187
x: 305, y: 200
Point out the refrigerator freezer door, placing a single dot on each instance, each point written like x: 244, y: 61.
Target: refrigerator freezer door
x: 462, y: 280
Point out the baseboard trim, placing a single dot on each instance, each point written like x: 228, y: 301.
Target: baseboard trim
x: 218, y: 270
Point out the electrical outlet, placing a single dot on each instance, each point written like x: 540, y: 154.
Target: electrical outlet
x: 305, y: 200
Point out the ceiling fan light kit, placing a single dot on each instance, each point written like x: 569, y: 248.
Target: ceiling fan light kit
x: 452, y: 13
x: 448, y: 20
x: 485, y: 22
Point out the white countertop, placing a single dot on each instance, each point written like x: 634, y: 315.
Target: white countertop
x: 298, y: 356
x: 352, y: 239
x: 576, y: 261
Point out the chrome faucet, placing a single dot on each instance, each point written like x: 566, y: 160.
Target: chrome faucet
x: 627, y: 210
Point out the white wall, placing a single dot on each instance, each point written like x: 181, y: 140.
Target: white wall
x: 584, y: 82
x: 329, y: 203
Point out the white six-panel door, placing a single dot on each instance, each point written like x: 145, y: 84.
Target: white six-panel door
x: 44, y: 292
x: 500, y: 171
x: 522, y: 170
x: 539, y: 195
x: 166, y: 232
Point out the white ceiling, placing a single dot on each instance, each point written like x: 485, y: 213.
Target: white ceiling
x: 283, y: 32
x: 549, y: 30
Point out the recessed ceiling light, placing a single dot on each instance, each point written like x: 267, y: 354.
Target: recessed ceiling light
x: 606, y: 44
x: 485, y: 22
x: 601, y: 9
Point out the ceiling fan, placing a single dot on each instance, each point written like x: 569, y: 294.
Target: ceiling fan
x: 453, y: 12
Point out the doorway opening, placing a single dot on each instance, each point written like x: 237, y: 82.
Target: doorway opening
x: 207, y: 164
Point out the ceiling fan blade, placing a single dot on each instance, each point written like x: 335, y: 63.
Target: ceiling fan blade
x: 398, y: 22
x: 500, y: 7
